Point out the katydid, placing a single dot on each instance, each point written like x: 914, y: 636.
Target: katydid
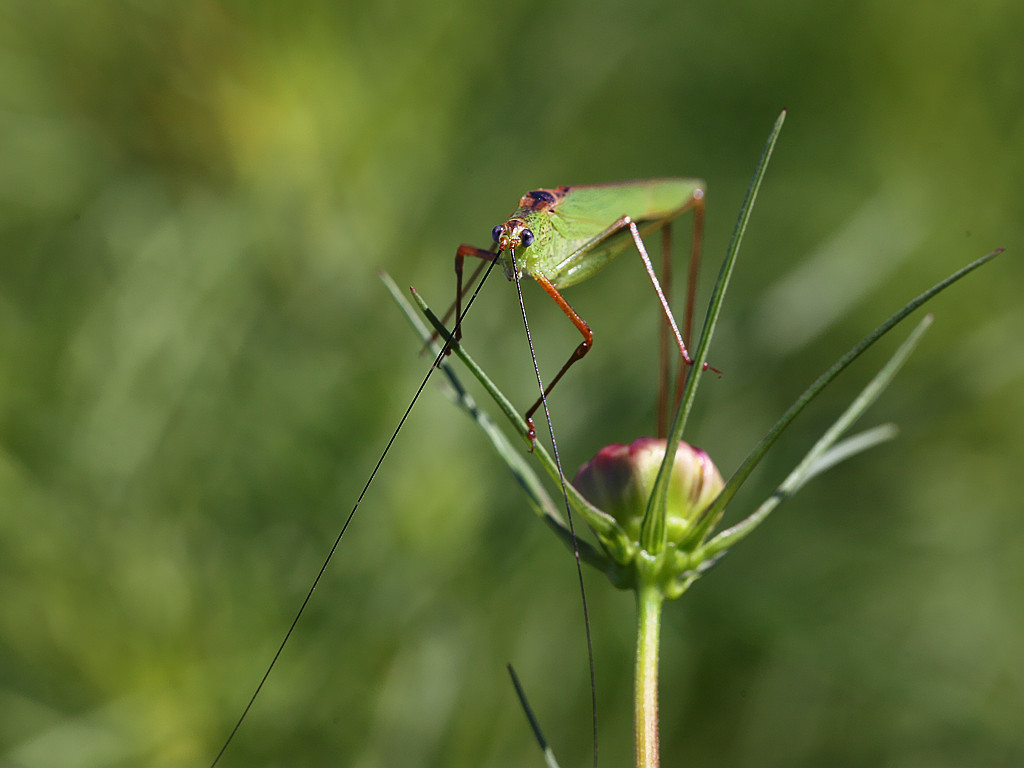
x: 564, y: 235
x: 561, y: 237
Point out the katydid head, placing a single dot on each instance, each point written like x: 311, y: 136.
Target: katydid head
x: 514, y: 235
x: 529, y: 232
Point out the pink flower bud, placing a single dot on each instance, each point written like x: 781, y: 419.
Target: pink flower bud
x: 619, y: 480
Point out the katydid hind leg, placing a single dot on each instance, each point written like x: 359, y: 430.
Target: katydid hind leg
x: 665, y: 332
x: 691, y: 290
x: 668, y: 327
x: 665, y: 308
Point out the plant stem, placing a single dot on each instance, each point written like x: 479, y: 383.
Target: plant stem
x: 648, y: 602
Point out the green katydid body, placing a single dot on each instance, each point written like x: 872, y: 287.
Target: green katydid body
x: 564, y: 235
x: 578, y: 230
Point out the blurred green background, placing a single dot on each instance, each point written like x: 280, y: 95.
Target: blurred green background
x: 198, y: 368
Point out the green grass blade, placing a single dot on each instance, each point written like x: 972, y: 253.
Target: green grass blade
x: 825, y: 452
x: 549, y: 756
x: 537, y: 495
x: 652, y: 534
x: 850, y: 447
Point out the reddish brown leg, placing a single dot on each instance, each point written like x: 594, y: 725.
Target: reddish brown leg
x: 691, y: 288
x: 578, y: 353
x: 460, y: 289
x: 667, y: 325
x: 665, y: 337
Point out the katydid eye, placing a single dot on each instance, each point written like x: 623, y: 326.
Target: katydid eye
x: 496, y: 233
x: 526, y: 238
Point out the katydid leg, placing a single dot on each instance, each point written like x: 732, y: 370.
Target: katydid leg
x: 462, y: 288
x: 642, y: 250
x: 578, y: 353
x: 697, y: 205
x: 691, y: 287
x: 665, y: 308
x: 664, y: 377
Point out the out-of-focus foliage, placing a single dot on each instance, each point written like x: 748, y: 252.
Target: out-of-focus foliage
x: 198, y: 368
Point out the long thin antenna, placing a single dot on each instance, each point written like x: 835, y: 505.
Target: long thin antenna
x: 568, y: 510
x: 344, y: 528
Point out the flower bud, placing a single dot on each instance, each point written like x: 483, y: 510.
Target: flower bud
x: 620, y: 478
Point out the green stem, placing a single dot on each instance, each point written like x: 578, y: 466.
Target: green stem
x: 648, y: 603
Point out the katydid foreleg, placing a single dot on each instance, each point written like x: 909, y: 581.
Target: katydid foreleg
x: 460, y: 289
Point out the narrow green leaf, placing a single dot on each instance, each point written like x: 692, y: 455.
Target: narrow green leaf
x: 603, y: 524
x: 850, y: 447
x: 549, y: 755
x: 755, y: 456
x: 817, y: 459
x: 652, y: 533
x: 538, y: 497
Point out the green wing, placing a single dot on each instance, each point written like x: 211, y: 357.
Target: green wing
x: 583, y: 216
